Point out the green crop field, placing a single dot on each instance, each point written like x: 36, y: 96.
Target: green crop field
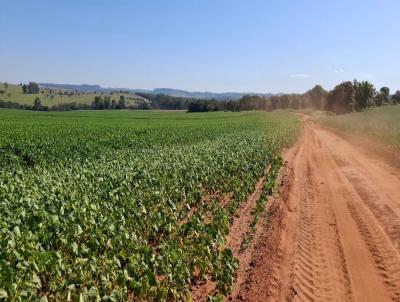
x: 14, y: 94
x: 118, y: 206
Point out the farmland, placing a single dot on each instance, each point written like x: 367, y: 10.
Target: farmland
x: 127, y: 205
x: 51, y: 97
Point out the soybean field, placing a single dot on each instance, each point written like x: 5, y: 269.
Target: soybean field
x: 128, y: 206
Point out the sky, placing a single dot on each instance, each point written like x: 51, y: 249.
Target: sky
x: 201, y: 45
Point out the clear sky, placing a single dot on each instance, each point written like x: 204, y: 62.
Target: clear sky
x: 213, y: 45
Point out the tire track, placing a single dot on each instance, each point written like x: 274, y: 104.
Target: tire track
x: 374, y: 212
x: 338, y: 237
x: 344, y: 234
x: 319, y: 268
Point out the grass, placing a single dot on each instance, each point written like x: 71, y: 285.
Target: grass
x: 381, y: 124
x: 18, y: 96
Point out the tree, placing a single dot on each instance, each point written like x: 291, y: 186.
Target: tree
x: 274, y: 102
x: 143, y: 105
x: 121, y: 102
x: 305, y: 103
x: 294, y: 101
x: 231, y: 106
x: 317, y: 97
x: 33, y: 88
x: 385, y: 92
x: 364, y: 94
x: 197, y: 106
x: 98, y: 103
x: 383, y: 97
x: 37, y: 104
x: 107, y: 102
x: 24, y: 88
x: 396, y: 97
x: 340, y: 98
x: 5, y: 85
x: 284, y: 101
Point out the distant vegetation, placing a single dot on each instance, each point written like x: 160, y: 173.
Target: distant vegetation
x: 224, y: 96
x: 380, y: 124
x: 27, y: 96
x: 31, y: 88
x: 344, y: 98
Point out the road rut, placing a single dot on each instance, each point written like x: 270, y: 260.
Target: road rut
x: 340, y: 239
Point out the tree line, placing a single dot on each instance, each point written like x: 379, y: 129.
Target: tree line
x: 4, y: 91
x: 166, y: 102
x: 343, y: 98
x: 105, y: 102
x: 37, y: 106
x: 31, y: 88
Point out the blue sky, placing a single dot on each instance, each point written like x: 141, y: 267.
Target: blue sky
x: 213, y: 45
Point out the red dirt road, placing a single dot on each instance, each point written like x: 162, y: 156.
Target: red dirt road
x: 337, y: 235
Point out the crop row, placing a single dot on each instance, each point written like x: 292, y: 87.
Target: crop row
x: 117, y: 210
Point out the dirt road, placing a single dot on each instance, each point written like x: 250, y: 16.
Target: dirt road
x: 339, y: 233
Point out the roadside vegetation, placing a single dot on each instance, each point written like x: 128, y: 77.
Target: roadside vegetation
x: 380, y: 124
x: 344, y: 98
x: 122, y: 205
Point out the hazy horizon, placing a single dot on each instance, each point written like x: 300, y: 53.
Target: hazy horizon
x: 215, y: 46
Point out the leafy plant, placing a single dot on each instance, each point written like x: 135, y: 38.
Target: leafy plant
x: 116, y: 206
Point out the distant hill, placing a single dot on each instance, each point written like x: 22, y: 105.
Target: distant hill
x: 72, y: 87
x: 67, y: 95
x: 166, y: 91
x: 206, y: 95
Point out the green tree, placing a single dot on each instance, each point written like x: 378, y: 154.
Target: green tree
x: 5, y: 85
x: 294, y: 101
x: 37, y: 104
x: 364, y: 94
x: 385, y: 92
x: 383, y: 97
x: 33, y: 88
x: 317, y: 97
x: 113, y: 104
x: 396, y: 97
x: 24, y: 88
x: 340, y: 98
x: 121, y: 102
x: 98, y: 103
x: 107, y: 102
x: 284, y: 101
x: 274, y: 102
